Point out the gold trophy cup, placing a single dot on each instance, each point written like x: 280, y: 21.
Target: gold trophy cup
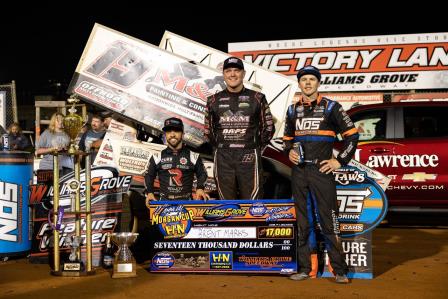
x: 72, y: 124
x: 124, y: 264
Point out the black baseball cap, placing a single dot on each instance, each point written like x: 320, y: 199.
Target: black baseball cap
x: 106, y: 114
x: 173, y: 123
x: 233, y: 62
x: 309, y: 70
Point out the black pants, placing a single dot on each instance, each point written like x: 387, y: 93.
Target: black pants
x: 322, y: 188
x: 239, y: 173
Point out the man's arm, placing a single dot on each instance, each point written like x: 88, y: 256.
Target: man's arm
x: 150, y: 176
x: 348, y: 131
x: 289, y: 132
x: 266, y: 121
x: 209, y: 133
x: 201, y: 176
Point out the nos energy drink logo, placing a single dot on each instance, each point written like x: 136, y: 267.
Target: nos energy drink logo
x: 9, y: 212
x: 174, y: 221
x: 163, y: 260
x: 362, y: 202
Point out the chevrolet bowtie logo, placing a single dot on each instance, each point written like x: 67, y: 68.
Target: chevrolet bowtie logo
x: 419, y: 176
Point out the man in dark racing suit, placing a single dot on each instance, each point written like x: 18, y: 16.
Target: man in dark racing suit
x: 176, y: 168
x: 310, y: 130
x: 238, y: 124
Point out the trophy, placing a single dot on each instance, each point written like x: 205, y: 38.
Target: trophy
x: 73, y: 264
x: 124, y: 264
x: 72, y: 124
x: 73, y: 186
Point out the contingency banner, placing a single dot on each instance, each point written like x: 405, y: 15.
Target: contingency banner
x: 144, y: 83
x: 386, y: 62
x: 224, y: 236
x: 106, y: 188
x: 362, y: 206
x: 129, y: 157
x: 279, y: 89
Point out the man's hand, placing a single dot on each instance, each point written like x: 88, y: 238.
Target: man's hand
x: 149, y: 197
x: 293, y: 156
x: 327, y: 166
x: 200, y: 194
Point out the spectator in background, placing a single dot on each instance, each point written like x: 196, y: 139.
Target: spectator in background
x: 107, y: 116
x: 17, y: 141
x: 92, y: 139
x: 54, y: 139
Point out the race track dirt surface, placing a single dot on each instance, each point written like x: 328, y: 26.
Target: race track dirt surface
x: 408, y: 263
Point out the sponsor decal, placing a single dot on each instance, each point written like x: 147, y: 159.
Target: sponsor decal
x: 174, y: 221
x: 403, y: 161
x: 248, y: 158
x: 163, y: 260
x: 104, y: 181
x: 221, y: 260
x: 346, y: 176
x: 183, y: 161
x: 308, y: 123
x: 100, y: 227
x: 102, y: 95
x: 419, y: 176
x: 278, y: 213
x: 362, y: 202
x: 222, y: 212
x: 258, y: 209
x: 234, y: 119
x: 9, y: 211
x: 264, y: 261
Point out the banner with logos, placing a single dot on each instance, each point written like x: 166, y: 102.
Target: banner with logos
x: 106, y: 189
x: 362, y: 207
x: 386, y: 62
x: 279, y: 89
x: 224, y: 236
x: 144, y: 83
x: 260, y: 236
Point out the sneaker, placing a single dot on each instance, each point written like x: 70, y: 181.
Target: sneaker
x: 299, y: 276
x: 341, y: 278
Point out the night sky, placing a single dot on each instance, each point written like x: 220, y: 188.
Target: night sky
x: 45, y: 47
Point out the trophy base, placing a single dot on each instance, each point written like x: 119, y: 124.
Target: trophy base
x: 72, y: 269
x: 124, y: 270
x: 72, y: 273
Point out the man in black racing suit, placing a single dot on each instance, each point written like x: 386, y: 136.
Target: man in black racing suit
x: 175, y: 168
x: 310, y: 130
x: 238, y: 124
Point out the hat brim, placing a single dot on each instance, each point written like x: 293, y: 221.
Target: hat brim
x: 235, y: 65
x: 318, y: 76
x: 173, y: 128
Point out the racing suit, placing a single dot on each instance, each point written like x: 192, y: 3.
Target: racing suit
x: 238, y: 126
x: 315, y: 126
x: 176, y: 170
